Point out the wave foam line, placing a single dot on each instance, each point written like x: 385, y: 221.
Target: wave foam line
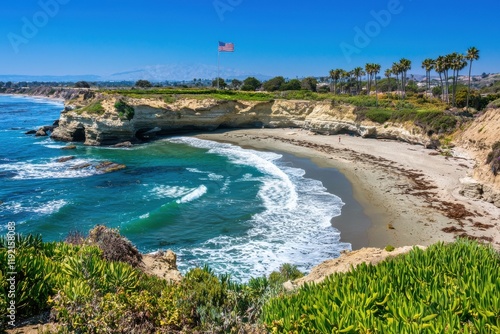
x: 295, y: 226
x: 193, y: 195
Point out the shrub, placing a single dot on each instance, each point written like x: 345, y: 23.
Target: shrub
x: 494, y: 104
x: 250, y: 84
x: 124, y: 110
x: 75, y: 238
x: 389, y: 248
x: 82, y: 84
x: 114, y: 246
x: 493, y: 158
x: 143, y: 84
x: 287, y: 272
x: 274, y: 84
x: 379, y: 116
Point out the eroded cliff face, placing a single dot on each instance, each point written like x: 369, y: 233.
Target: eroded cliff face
x: 156, y: 117
x: 478, y: 138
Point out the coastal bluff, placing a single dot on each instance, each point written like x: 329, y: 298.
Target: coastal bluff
x: 80, y: 122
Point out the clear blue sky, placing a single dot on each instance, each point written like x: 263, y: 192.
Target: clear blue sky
x: 272, y: 37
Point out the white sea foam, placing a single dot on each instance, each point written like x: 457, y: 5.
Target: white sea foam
x: 295, y: 226
x: 31, y: 170
x: 193, y: 195
x: 210, y: 176
x: 47, y: 208
x: 165, y: 191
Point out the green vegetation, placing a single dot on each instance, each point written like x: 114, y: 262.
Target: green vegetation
x: 219, y: 82
x: 143, y: 84
x: 378, y: 115
x: 389, y: 248
x: 445, y: 289
x: 82, y: 84
x: 95, y: 285
x: 309, y: 84
x: 250, y: 84
x: 124, y: 110
x: 95, y: 108
x: 171, y: 94
x: 274, y: 84
x: 494, y: 104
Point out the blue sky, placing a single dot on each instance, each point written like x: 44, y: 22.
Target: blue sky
x: 289, y: 38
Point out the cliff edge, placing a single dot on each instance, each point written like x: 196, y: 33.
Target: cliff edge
x: 100, y: 121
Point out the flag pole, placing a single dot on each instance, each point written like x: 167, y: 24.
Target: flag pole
x: 218, y: 64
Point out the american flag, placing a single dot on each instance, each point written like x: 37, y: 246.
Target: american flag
x: 226, y: 47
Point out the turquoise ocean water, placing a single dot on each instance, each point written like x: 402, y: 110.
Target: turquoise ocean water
x: 240, y: 211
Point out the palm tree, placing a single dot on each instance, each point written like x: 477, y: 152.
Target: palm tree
x: 335, y: 75
x: 472, y: 54
x: 396, y: 69
x: 375, y: 71
x: 358, y: 72
x: 439, y: 66
x: 448, y: 59
x: 457, y: 64
x: 368, y: 69
x: 405, y: 66
x: 343, y: 78
x: 428, y: 65
x: 388, y: 73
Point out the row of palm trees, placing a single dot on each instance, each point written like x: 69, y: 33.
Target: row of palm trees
x: 442, y: 65
x: 455, y: 62
x: 342, y: 77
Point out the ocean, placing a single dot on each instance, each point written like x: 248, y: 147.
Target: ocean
x: 239, y: 211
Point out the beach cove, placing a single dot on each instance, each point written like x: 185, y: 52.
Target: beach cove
x: 410, y: 194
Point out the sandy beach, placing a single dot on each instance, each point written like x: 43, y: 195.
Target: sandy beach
x: 409, y: 193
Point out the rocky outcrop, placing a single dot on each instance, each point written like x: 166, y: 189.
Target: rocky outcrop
x: 60, y: 93
x: 162, y: 264
x: 154, y: 117
x: 471, y: 188
x: 478, y: 137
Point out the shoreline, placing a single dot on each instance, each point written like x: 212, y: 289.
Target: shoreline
x: 43, y: 97
x: 409, y: 194
x: 337, y: 184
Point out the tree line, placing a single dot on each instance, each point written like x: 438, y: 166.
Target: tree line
x: 350, y: 82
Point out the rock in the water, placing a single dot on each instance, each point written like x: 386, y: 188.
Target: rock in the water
x: 81, y: 166
x: 64, y: 159
x: 47, y: 128
x: 41, y: 133
x: 69, y: 147
x: 124, y: 144
x: 109, y: 166
x: 30, y: 132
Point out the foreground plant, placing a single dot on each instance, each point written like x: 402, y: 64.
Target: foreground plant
x: 444, y: 289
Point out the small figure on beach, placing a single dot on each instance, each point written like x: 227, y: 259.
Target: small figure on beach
x: 339, y: 139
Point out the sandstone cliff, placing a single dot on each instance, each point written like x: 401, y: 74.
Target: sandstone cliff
x: 157, y: 117
x: 478, y: 138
